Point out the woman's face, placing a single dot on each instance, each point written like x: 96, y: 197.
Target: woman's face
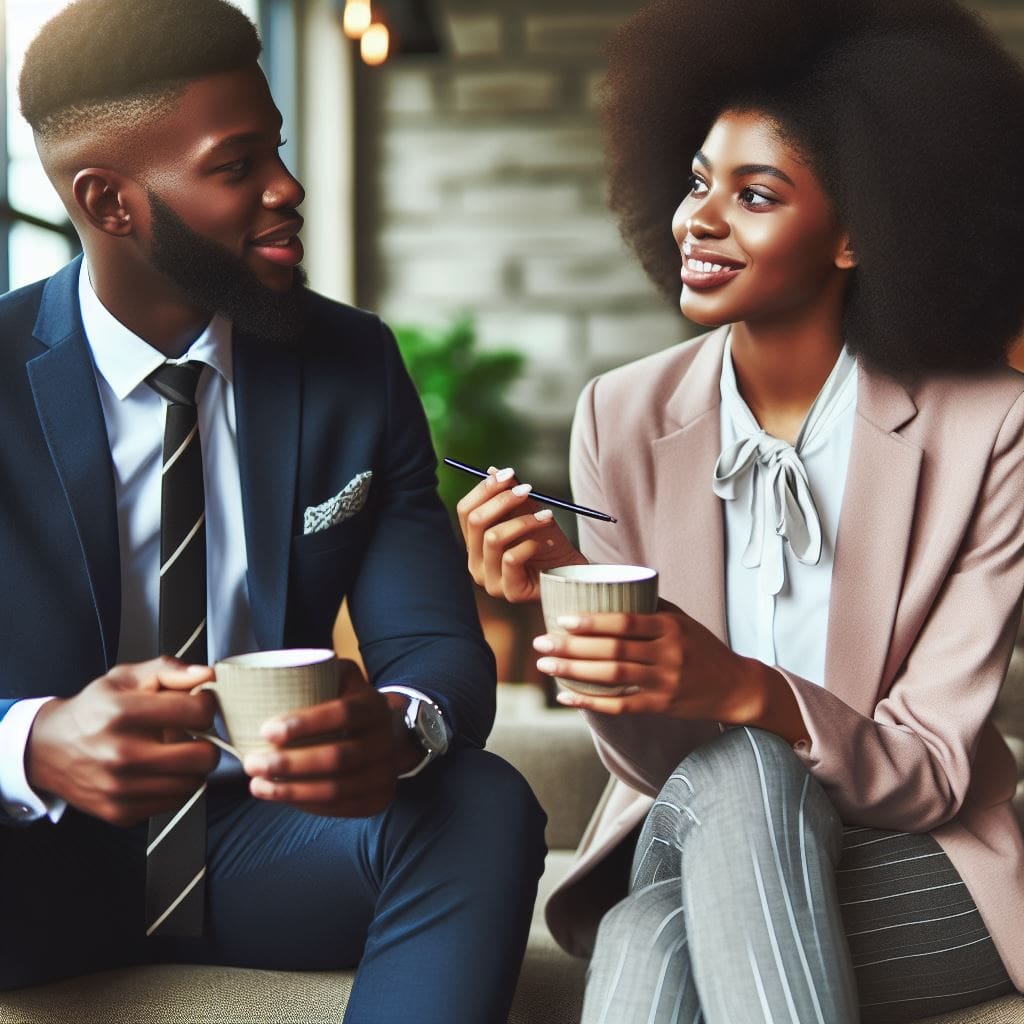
x: 758, y: 236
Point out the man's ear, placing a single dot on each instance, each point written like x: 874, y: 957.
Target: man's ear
x: 105, y: 198
x: 846, y: 258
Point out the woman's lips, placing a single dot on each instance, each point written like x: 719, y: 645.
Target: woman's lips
x: 702, y: 274
x: 287, y: 253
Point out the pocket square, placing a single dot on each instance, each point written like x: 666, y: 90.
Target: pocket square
x: 345, y: 504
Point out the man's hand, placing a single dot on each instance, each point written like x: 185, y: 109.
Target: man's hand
x: 103, y: 750
x: 349, y: 770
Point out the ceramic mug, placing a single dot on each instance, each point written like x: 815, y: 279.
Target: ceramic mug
x: 251, y: 688
x: 579, y: 589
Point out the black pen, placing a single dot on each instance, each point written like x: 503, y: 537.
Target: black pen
x: 544, y: 499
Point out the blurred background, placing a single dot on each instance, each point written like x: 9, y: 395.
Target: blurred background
x: 452, y: 159
x: 456, y: 187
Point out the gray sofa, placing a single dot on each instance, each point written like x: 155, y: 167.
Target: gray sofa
x: 553, y: 750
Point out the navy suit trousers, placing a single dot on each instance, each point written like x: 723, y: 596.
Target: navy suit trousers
x: 431, y: 898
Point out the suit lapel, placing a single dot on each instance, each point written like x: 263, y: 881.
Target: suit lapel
x: 872, y: 543
x: 267, y: 405
x: 63, y: 384
x: 688, y: 514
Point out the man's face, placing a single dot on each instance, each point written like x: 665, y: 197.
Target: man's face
x: 224, y: 226
x: 213, y: 277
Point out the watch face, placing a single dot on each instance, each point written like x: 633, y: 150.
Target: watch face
x: 432, y: 728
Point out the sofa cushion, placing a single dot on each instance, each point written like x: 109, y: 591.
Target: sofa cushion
x: 550, y: 989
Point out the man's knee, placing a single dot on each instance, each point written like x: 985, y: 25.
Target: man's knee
x: 479, y: 792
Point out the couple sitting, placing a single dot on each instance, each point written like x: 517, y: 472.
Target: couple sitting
x: 829, y: 483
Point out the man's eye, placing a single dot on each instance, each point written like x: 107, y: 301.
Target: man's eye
x: 236, y: 166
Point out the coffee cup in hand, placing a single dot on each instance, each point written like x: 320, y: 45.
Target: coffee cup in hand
x: 252, y: 688
x: 583, y: 589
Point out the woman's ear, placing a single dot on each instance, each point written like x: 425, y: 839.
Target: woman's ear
x: 846, y: 258
x: 99, y: 194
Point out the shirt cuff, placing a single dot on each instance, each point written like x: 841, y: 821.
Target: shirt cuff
x: 17, y: 797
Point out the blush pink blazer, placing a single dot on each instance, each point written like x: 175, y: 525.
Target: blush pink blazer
x: 925, y: 603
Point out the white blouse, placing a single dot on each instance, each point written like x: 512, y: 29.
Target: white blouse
x: 781, y: 505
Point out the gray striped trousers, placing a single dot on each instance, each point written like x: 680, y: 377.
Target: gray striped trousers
x: 750, y: 902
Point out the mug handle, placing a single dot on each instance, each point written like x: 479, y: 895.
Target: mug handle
x: 212, y: 737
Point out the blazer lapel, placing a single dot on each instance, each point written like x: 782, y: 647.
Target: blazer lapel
x: 63, y: 384
x: 688, y: 514
x: 872, y: 542
x: 267, y: 405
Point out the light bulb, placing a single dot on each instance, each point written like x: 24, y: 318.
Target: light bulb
x: 373, y: 46
x: 356, y: 18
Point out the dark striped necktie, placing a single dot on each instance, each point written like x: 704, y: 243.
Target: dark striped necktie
x: 176, y: 852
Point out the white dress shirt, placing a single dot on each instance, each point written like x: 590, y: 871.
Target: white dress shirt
x: 782, y: 506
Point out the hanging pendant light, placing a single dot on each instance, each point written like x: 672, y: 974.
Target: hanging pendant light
x: 374, y: 44
x: 356, y: 18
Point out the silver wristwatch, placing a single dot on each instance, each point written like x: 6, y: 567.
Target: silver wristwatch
x: 423, y: 718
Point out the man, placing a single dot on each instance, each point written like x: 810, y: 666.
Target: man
x: 159, y: 132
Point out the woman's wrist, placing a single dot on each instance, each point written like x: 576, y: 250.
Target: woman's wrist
x: 763, y: 699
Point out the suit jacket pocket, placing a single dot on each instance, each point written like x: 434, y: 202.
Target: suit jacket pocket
x: 342, y: 535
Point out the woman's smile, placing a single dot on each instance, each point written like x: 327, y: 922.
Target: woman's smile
x: 705, y: 268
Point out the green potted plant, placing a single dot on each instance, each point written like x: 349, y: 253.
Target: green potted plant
x: 464, y: 391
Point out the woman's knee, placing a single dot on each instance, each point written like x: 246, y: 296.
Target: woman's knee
x: 750, y: 779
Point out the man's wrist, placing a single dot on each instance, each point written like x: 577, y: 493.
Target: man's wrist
x: 408, y: 749
x: 423, y: 722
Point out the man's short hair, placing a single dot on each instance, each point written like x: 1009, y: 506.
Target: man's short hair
x: 108, y: 63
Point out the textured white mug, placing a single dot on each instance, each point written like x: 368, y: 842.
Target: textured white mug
x: 579, y: 589
x: 251, y: 688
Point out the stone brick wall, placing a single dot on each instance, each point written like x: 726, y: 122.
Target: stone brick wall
x: 481, y: 190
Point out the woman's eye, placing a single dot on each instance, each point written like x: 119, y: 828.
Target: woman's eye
x: 698, y: 186
x: 755, y: 199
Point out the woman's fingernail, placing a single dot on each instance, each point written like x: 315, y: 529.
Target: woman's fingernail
x: 543, y: 515
x: 520, y: 489
x: 544, y: 644
x: 198, y: 670
x: 569, y: 621
x: 566, y: 698
x: 492, y: 470
x: 261, y: 787
x: 547, y: 665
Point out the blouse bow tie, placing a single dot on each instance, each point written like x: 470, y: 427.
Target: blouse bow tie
x: 779, y: 490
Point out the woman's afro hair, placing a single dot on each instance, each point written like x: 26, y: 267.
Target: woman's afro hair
x: 95, y: 53
x: 912, y: 116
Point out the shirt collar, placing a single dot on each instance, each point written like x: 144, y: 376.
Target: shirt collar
x: 125, y: 360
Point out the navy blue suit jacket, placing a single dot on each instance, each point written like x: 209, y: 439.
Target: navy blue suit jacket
x: 310, y: 418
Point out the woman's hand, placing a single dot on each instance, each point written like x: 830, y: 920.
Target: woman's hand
x: 669, y: 665
x: 510, y: 540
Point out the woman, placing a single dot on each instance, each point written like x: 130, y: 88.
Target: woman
x: 831, y: 484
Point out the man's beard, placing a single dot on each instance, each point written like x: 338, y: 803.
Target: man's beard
x: 213, y: 278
